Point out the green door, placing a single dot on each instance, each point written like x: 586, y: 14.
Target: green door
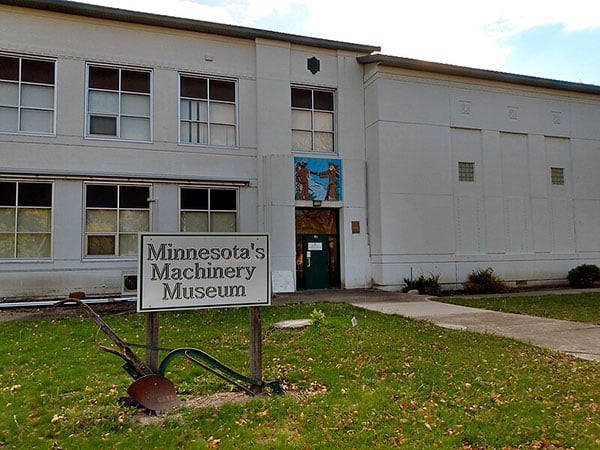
x: 316, y: 261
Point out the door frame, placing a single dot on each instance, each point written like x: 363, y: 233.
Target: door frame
x: 332, y: 241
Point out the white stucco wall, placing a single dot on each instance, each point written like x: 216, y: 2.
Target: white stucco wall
x: 261, y: 166
x: 511, y: 218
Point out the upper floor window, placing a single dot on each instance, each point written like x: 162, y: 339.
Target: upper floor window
x: 208, y: 209
x: 312, y: 120
x: 26, y: 95
x: 119, y: 103
x: 25, y: 219
x: 207, y: 111
x: 114, y: 215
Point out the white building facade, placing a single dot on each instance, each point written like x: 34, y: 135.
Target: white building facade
x: 363, y: 168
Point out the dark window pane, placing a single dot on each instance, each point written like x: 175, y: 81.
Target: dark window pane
x: 194, y: 199
x: 193, y: 87
x: 104, y: 78
x: 35, y: 194
x: 35, y: 71
x: 222, y: 90
x: 135, y: 81
x: 101, y: 196
x: 324, y: 101
x: 9, y: 68
x: 101, y: 245
x: 103, y: 125
x: 223, y: 199
x: 8, y: 190
x: 134, y: 197
x: 301, y: 98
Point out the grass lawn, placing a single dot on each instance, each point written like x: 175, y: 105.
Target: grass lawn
x: 577, y: 307
x: 388, y: 382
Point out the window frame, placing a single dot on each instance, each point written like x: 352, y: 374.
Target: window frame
x: 20, y: 83
x: 209, y: 210
x: 466, y: 171
x: 313, y: 110
x: 117, y: 233
x: 119, y: 115
x: 17, y: 207
x: 208, y: 122
x: 557, y: 176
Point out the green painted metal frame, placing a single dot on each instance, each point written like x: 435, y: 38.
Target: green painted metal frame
x: 216, y: 367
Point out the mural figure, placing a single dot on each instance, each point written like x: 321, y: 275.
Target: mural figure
x: 332, y: 174
x: 302, y: 176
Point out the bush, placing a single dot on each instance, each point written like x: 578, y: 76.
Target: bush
x: 584, y: 275
x: 484, y: 281
x: 429, y: 285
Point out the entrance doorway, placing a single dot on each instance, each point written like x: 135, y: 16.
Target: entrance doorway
x: 317, y: 249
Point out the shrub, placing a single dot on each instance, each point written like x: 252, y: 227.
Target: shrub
x: 429, y: 285
x: 584, y: 275
x: 317, y: 316
x: 484, y: 281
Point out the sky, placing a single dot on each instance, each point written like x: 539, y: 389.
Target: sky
x: 556, y: 39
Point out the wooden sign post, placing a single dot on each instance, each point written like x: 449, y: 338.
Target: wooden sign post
x: 152, y: 340
x: 256, y: 345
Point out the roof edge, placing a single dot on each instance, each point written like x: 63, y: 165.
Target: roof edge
x: 483, y: 74
x: 200, y: 26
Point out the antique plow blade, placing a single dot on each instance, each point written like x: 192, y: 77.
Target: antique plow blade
x: 150, y: 390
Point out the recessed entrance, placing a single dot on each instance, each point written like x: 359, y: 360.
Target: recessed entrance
x: 317, y: 250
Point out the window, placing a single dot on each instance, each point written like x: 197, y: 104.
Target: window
x: 207, y: 111
x: 25, y: 219
x: 208, y: 209
x: 557, y: 176
x: 312, y: 120
x: 466, y: 171
x: 119, y: 103
x: 26, y: 95
x: 114, y: 214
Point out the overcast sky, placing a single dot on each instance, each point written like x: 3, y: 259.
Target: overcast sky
x: 546, y: 38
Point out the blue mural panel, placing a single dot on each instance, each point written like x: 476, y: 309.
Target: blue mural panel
x: 318, y: 179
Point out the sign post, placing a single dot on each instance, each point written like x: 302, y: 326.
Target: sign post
x: 182, y: 271
x: 256, y: 344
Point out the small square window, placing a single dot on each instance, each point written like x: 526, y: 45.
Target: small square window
x: 466, y: 171
x: 557, y: 176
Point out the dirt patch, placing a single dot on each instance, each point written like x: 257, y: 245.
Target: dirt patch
x: 65, y: 311
x: 215, y: 400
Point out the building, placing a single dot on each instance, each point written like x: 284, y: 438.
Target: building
x: 364, y: 168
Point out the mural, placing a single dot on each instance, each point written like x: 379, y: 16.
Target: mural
x: 318, y: 179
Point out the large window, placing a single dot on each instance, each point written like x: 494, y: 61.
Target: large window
x: 312, y: 120
x: 25, y: 219
x: 208, y: 209
x: 26, y: 95
x: 207, y: 111
x: 114, y: 214
x: 119, y: 103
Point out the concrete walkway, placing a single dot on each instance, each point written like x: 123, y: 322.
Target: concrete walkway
x: 578, y: 339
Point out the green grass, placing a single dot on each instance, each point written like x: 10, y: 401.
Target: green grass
x: 389, y: 382
x: 577, y: 307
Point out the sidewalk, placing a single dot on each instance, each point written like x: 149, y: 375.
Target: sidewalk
x: 576, y: 338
